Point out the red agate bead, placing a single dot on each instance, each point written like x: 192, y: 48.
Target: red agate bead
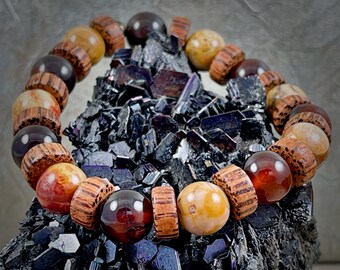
x: 126, y: 216
x: 248, y: 67
x: 270, y: 175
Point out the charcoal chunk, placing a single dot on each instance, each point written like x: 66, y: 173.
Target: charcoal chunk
x: 97, y: 170
x: 141, y: 252
x: 167, y: 259
x: 167, y: 148
x: 99, y: 158
x: 48, y: 259
x: 163, y: 124
x: 217, y: 248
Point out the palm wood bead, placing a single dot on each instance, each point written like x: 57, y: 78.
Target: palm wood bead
x: 270, y: 79
x: 180, y: 27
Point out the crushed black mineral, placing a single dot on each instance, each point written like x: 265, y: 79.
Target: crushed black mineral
x: 150, y: 123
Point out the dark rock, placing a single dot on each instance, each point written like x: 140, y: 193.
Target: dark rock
x: 197, y: 141
x: 217, y: 248
x: 163, y: 124
x: 48, y: 259
x: 110, y: 251
x: 71, y: 264
x: 222, y: 140
x: 147, y: 142
x: 133, y: 73
x: 97, y: 170
x: 121, y: 175
x: 44, y: 236
x: 142, y: 252
x: 167, y: 148
x: 166, y: 258
x: 123, y: 54
x: 99, y: 158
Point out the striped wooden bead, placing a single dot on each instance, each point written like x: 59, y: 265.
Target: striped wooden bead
x: 239, y: 189
x: 87, y: 201
x: 38, y: 116
x: 77, y: 56
x: 228, y: 57
x: 165, y: 212
x: 111, y: 32
x: 40, y: 157
x: 50, y: 83
x: 180, y: 27
x: 270, y: 79
x: 299, y: 158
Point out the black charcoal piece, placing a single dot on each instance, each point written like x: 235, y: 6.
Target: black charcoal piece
x: 110, y: 251
x: 48, y: 259
x: 168, y: 83
x: 97, y: 170
x: 71, y: 264
x: 123, y: 54
x: 222, y: 140
x: 166, y: 258
x: 101, y: 158
x: 137, y: 123
x: 217, y: 248
x: 182, y: 174
x: 67, y: 243
x: 163, y: 124
x: 148, y: 142
x: 248, y: 113
x: 123, y: 120
x: 197, y: 141
x: 91, y: 248
x: 250, y: 129
x: 230, y: 122
x: 44, y: 236
x: 115, y: 63
x: 129, y: 184
x: 265, y: 216
x: 15, y: 257
x: 125, y: 162
x: 164, y: 105
x: 141, y: 252
x: 166, y: 148
x: 120, y: 175
x: 133, y: 73
x: 120, y: 148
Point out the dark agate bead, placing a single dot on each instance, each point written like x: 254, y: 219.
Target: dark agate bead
x: 28, y: 137
x: 58, y: 66
x: 270, y: 175
x: 141, y: 25
x: 311, y: 108
x: 248, y: 67
x: 126, y: 216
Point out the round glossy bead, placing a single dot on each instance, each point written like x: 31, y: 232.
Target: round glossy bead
x: 141, y: 25
x: 202, y: 46
x: 126, y: 216
x: 28, y: 137
x: 203, y: 208
x: 248, y: 67
x: 89, y: 40
x: 34, y: 98
x: 58, y: 66
x: 270, y: 174
x: 57, y: 185
x: 313, y: 137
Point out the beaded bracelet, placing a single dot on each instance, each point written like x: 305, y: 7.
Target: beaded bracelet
x: 202, y: 207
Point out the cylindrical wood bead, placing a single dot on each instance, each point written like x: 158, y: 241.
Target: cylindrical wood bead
x: 165, y: 212
x: 40, y: 157
x: 87, y: 200
x: 180, y: 27
x: 270, y: 79
x: 240, y: 191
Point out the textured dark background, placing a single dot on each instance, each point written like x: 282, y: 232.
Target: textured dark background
x: 299, y: 39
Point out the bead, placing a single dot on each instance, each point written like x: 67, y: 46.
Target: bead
x: 33, y: 99
x: 28, y: 137
x: 126, y: 216
x: 203, y: 208
x: 270, y: 79
x: 78, y: 57
x: 180, y: 27
x: 312, y: 108
x: 299, y: 158
x: 239, y: 189
x: 270, y: 175
x: 50, y: 83
x: 310, y: 117
x: 165, y: 212
x: 89, y: 40
x: 313, y: 137
x: 58, y: 66
x: 87, y: 201
x: 57, y: 185
x: 40, y: 157
x: 202, y: 46
x: 248, y: 67
x: 110, y: 31
x: 141, y: 25
x: 38, y: 116
x: 229, y: 56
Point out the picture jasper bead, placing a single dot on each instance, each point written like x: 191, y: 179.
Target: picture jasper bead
x: 33, y: 99
x: 89, y: 40
x: 203, y: 208
x: 40, y: 157
x: 202, y: 46
x: 248, y: 67
x: 240, y: 191
x: 180, y: 27
x: 58, y: 66
x: 87, y: 201
x: 229, y: 56
x: 28, y: 137
x: 77, y: 56
x: 111, y: 32
x: 165, y: 212
x: 311, y: 135
x: 299, y: 158
x: 38, y: 116
x: 50, y: 83
x: 270, y: 79
x: 57, y: 185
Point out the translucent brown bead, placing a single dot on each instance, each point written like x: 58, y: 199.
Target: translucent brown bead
x: 165, y: 212
x: 50, y: 83
x: 180, y: 27
x: 87, y: 201
x: 240, y: 191
x: 299, y: 158
x: 270, y: 79
x: 40, y: 157
x: 77, y: 56
x: 111, y: 32
x: 229, y: 56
